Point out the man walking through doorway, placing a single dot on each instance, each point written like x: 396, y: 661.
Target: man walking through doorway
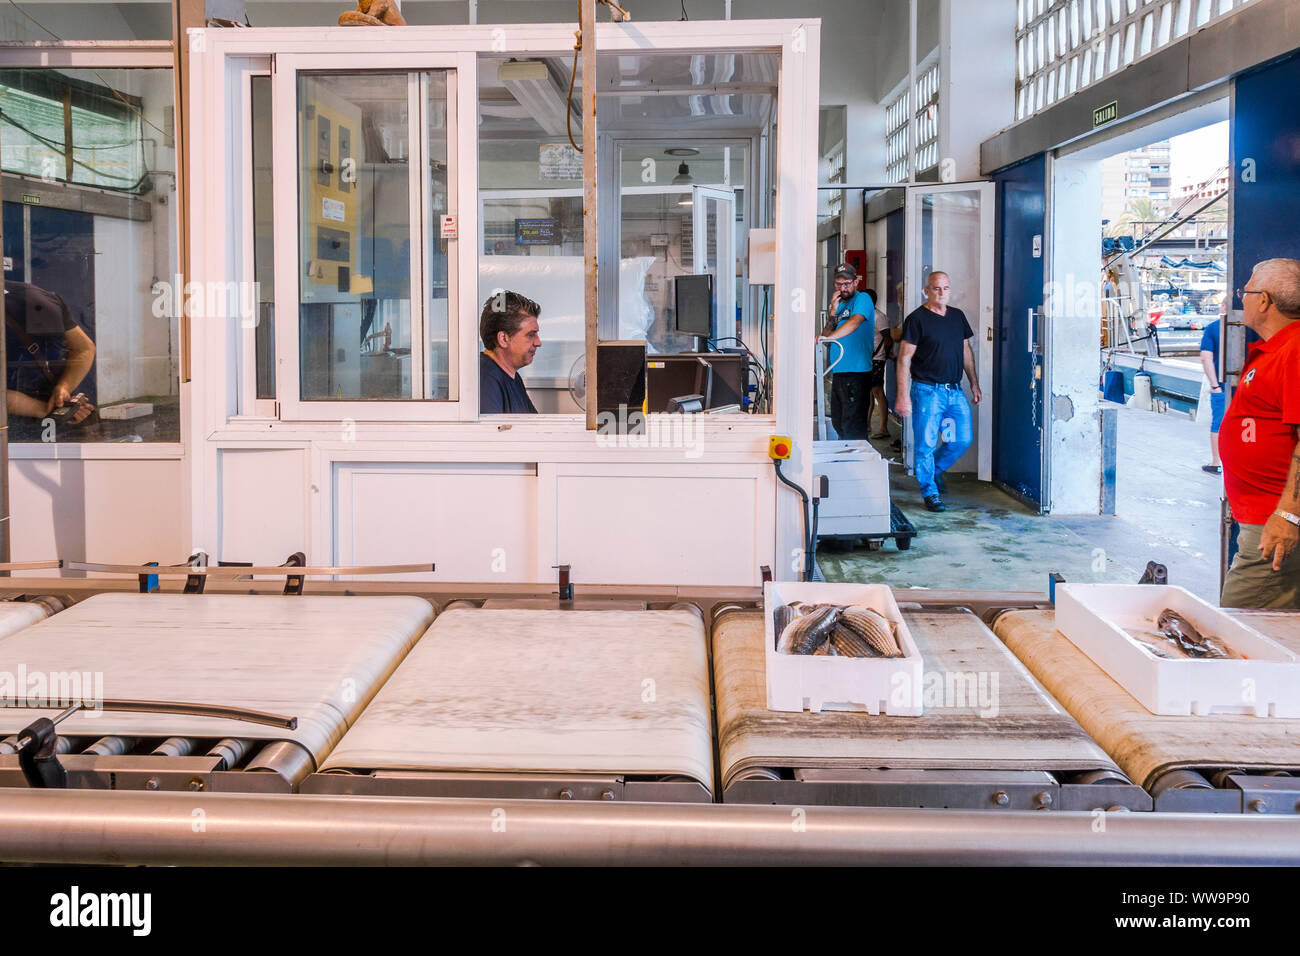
x: 935, y: 350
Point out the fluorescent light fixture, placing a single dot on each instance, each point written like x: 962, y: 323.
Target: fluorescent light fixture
x: 530, y: 82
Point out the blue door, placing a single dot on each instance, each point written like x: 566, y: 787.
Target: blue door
x: 1018, y: 411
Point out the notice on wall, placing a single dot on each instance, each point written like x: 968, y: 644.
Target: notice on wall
x: 333, y: 210
x: 537, y: 232
x: 558, y: 161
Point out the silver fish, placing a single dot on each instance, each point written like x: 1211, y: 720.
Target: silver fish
x: 806, y: 633
x: 876, y: 629
x: 849, y: 643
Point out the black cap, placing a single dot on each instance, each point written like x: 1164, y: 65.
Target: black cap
x: 845, y: 271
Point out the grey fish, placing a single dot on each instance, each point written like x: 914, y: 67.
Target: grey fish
x: 876, y: 629
x: 807, y: 632
x: 827, y: 649
x: 1159, y: 644
x: 849, y: 643
x: 1181, y: 632
x: 781, y: 616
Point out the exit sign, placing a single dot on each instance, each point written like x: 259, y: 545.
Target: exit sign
x: 1107, y: 114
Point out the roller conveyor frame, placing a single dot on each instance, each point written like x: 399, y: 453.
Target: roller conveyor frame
x: 1212, y: 787
x: 938, y: 787
x: 39, y: 828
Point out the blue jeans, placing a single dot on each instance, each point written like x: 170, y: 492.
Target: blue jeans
x: 938, y: 412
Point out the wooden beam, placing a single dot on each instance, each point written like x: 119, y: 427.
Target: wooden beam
x: 587, y: 24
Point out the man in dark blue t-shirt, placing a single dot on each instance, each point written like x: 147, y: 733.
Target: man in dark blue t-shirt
x: 1218, y: 398
x: 508, y: 327
x: 935, y: 351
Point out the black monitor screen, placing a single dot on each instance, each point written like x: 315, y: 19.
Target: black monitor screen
x: 694, y: 304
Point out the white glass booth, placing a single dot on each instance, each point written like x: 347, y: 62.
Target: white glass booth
x: 370, y: 188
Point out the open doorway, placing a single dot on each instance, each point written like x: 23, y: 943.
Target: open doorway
x: 1152, y: 274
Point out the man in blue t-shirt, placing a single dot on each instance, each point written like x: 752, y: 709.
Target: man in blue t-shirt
x: 1218, y: 397
x: 851, y: 323
x: 508, y: 328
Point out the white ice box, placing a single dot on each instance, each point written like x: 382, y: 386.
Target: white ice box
x: 857, y: 501
x: 1096, y: 617
x: 873, y: 685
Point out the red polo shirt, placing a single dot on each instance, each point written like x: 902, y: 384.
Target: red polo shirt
x: 1258, y: 434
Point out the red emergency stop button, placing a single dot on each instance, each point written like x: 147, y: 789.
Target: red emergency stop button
x: 778, y: 447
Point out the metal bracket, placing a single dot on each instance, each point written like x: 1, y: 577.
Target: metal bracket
x: 942, y: 789
x: 566, y: 583
x: 1260, y: 794
x: 293, y: 584
x: 37, y: 758
x: 195, y: 583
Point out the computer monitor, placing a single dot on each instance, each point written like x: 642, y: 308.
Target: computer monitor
x: 694, y: 302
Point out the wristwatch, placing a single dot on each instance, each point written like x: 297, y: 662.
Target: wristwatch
x: 1293, y: 519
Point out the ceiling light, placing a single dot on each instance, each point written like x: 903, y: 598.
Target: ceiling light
x: 530, y: 82
x: 683, y: 177
x: 681, y: 151
x: 686, y: 201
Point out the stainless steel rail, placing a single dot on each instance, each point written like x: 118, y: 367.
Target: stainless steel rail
x: 117, y: 827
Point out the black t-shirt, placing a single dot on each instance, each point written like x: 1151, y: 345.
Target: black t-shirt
x: 36, y: 325
x: 938, y: 340
x: 498, y: 393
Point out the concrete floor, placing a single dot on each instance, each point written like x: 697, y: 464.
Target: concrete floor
x: 1167, y: 511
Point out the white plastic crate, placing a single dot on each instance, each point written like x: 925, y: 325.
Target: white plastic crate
x: 1096, y: 618
x: 797, y: 682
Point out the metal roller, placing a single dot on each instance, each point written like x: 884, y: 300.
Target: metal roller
x: 759, y: 773
x: 1101, y: 776
x: 174, y: 747
x: 1179, y: 780
x: 70, y: 745
x: 1220, y: 777
x: 110, y: 746
x: 290, y: 760
x: 9, y: 745
x: 123, y: 828
x: 231, y: 750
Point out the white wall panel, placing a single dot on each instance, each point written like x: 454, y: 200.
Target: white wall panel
x: 98, y: 510
x: 666, y: 528
x: 263, y: 504
x: 475, y: 522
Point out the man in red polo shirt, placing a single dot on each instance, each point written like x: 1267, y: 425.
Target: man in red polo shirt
x: 1258, y: 445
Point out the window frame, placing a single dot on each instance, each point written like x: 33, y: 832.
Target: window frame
x: 462, y: 190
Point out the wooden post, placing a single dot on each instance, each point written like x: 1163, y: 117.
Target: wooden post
x: 587, y: 25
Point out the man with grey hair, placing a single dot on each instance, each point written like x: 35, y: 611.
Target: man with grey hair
x: 1259, y: 443
x: 935, y: 351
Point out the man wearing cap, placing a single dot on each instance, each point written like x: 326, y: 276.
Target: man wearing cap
x: 1259, y: 447
x: 851, y: 323
x: 935, y: 351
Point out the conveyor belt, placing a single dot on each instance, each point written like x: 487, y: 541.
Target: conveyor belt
x: 316, y: 658
x: 16, y: 615
x: 543, y: 691
x: 1145, y: 745
x: 1029, y: 731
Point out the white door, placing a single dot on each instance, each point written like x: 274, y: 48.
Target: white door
x: 949, y: 228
